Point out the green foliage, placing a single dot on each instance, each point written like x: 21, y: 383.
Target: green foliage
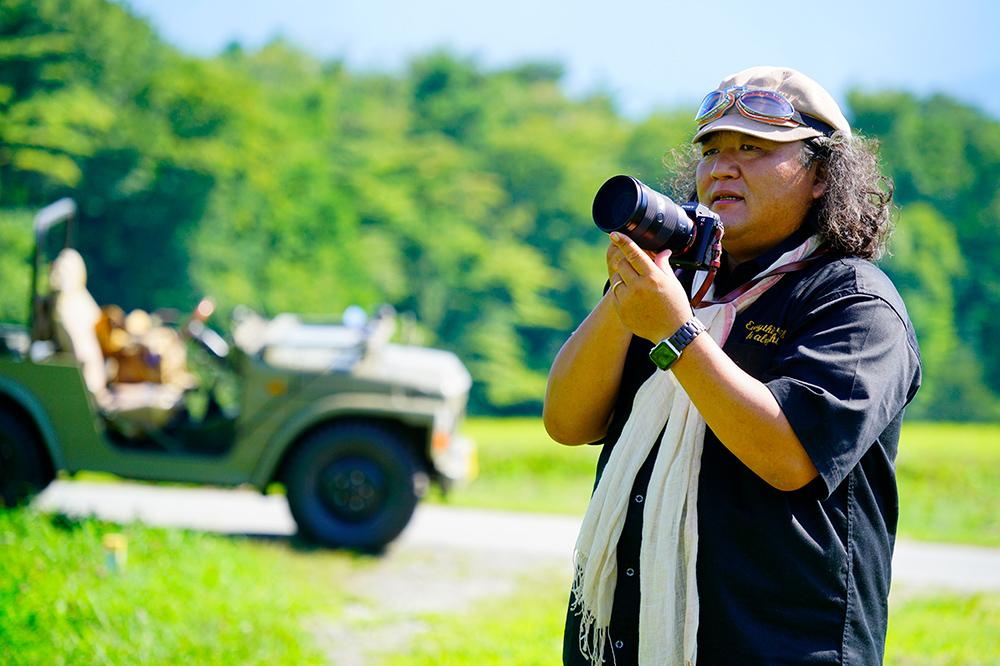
x: 53, y: 113
x: 16, y: 241
x: 926, y: 264
x: 458, y: 194
x: 946, y: 157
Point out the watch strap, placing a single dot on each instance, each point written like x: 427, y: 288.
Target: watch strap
x: 666, y: 352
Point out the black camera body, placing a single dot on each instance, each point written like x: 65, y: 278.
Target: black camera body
x: 690, y: 231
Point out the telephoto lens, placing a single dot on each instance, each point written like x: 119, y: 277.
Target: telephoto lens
x: 651, y: 219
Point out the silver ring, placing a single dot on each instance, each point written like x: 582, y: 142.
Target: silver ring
x: 615, y: 286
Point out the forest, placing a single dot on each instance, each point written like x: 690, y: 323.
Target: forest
x: 456, y: 194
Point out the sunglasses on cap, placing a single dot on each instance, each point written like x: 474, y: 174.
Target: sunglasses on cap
x: 764, y: 106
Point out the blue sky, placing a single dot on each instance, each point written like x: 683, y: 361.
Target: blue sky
x: 646, y: 54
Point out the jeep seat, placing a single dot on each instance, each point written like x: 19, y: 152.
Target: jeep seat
x: 134, y: 410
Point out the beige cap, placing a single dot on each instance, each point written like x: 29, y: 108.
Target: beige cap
x: 806, y: 96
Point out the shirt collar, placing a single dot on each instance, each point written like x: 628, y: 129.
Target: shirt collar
x: 727, y: 280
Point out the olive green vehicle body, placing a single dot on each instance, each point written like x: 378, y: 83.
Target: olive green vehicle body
x: 53, y: 396
x: 297, y: 381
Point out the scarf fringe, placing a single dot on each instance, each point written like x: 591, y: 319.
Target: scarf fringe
x: 592, y: 638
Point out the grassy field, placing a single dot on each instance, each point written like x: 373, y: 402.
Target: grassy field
x: 179, y: 597
x: 949, y: 483
x: 192, y: 598
x: 948, y: 476
x: 523, y: 470
x: 949, y: 486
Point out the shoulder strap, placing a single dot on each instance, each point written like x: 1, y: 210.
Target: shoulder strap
x: 781, y: 270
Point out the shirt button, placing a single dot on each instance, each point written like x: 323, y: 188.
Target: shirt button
x: 638, y: 499
x: 630, y: 572
x: 619, y: 644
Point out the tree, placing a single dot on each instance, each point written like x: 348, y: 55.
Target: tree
x: 947, y: 156
x: 461, y: 195
x: 47, y: 123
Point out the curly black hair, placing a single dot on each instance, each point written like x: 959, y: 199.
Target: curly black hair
x: 856, y: 214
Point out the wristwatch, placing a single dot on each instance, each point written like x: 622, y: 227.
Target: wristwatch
x: 666, y: 352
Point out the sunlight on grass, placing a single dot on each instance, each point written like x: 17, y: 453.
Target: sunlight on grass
x: 521, y: 469
x: 179, y: 597
x: 948, y: 476
x: 949, y: 483
x: 204, y: 599
x: 945, y: 631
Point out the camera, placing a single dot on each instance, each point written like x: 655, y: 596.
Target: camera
x: 690, y: 231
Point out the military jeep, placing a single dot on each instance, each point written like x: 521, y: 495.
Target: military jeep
x: 354, y: 426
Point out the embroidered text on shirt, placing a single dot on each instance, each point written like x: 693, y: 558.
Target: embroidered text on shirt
x: 765, y: 334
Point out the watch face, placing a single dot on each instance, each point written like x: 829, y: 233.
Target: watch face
x: 663, y: 355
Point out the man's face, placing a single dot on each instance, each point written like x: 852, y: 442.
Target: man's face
x: 758, y: 187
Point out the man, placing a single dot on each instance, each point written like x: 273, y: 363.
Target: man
x: 746, y: 505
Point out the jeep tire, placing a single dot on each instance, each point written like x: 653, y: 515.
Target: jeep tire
x: 353, y: 484
x: 23, y: 471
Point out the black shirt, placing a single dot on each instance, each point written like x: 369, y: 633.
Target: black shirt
x: 797, y: 577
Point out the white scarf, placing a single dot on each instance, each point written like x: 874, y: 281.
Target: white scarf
x: 668, y: 608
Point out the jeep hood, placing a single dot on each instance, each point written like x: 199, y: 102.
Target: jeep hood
x: 427, y: 370
x: 288, y: 342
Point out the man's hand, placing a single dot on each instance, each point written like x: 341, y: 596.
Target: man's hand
x: 647, y: 297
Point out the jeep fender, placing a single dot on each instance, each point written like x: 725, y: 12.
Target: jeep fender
x: 408, y: 411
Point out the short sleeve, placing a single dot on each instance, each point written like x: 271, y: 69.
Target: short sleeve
x: 849, y: 366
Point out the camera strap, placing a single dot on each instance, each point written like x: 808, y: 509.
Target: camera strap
x: 714, y: 265
x: 747, y: 286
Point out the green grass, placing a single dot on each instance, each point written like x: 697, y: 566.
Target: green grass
x: 526, y: 630
x: 181, y: 598
x: 193, y: 598
x: 941, y: 630
x: 948, y: 476
x: 949, y: 483
x: 521, y: 469
x: 945, y: 630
